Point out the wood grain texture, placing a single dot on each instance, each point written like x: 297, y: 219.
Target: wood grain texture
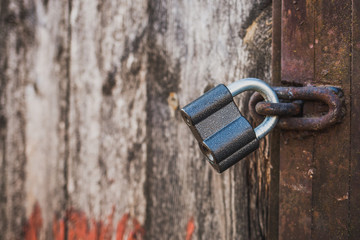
x: 186, y: 58
x: 107, y: 132
x: 296, y: 149
x: 34, y: 60
x: 316, y: 50
x: 18, y: 28
x: 91, y: 141
x: 331, y: 159
x: 47, y: 110
x: 354, y: 194
x: 274, y: 136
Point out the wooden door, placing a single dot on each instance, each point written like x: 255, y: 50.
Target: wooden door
x: 319, y: 171
x: 92, y: 142
x: 92, y: 145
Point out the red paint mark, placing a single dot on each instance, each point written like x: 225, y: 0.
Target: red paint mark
x: 34, y: 224
x: 79, y: 226
x: 59, y: 229
x: 121, y: 227
x: 190, y: 229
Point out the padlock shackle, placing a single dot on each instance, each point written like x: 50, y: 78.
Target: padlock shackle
x: 254, y: 84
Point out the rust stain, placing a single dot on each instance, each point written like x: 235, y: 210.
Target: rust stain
x: 34, y: 224
x: 190, y: 229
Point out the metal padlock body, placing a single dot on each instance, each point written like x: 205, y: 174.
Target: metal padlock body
x: 224, y: 135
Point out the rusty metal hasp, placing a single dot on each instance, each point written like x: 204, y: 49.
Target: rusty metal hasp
x: 291, y: 112
x: 223, y: 134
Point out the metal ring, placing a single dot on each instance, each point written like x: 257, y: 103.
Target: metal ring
x: 254, y: 84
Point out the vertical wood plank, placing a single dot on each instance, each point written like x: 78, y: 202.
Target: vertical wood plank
x: 90, y: 132
x: 296, y: 154
x: 107, y: 112
x: 193, y: 46
x: 354, y: 197
x: 3, y: 116
x: 17, y: 39
x: 47, y: 117
x: 297, y: 46
x: 332, y: 147
x: 175, y: 166
x: 33, y: 66
x: 314, y: 160
x: 165, y: 209
x: 260, y: 168
x: 273, y: 219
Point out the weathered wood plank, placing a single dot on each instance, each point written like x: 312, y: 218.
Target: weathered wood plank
x: 5, y: 25
x: 194, y: 45
x: 107, y: 110
x: 324, y: 214
x: 17, y: 39
x: 90, y: 132
x: 47, y: 117
x: 329, y: 200
x: 274, y: 151
x: 297, y: 46
x: 33, y: 60
x: 260, y: 169
x: 331, y: 159
x: 296, y: 167
x: 354, y: 195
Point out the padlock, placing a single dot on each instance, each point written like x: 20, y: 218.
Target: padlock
x: 224, y: 135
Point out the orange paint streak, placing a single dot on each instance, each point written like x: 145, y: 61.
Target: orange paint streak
x: 121, y: 227
x: 34, y: 224
x: 80, y: 227
x: 190, y: 229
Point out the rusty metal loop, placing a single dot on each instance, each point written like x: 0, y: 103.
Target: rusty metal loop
x: 329, y: 95
x: 279, y: 109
